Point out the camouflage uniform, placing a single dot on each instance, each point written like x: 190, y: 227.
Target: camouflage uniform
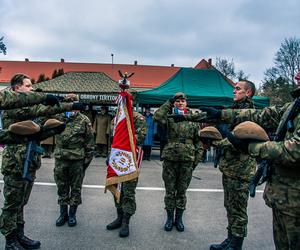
x: 282, y: 191
x: 10, y: 99
x: 74, y: 147
x: 17, y: 190
x: 127, y: 200
x: 237, y: 168
x: 181, y: 154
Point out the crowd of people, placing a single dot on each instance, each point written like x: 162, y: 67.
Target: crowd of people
x: 183, y: 148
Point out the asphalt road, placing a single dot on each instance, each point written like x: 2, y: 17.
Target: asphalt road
x: 205, y: 218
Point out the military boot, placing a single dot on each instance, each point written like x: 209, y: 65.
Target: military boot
x: 72, y: 216
x: 63, y: 216
x: 117, y: 222
x: 170, y: 220
x: 236, y: 243
x: 178, y: 220
x: 26, y: 242
x: 223, y: 245
x: 12, y: 242
x: 124, y: 232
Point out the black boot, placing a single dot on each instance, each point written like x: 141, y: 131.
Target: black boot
x: 117, y: 222
x: 224, y: 244
x: 12, y: 242
x: 63, y: 216
x: 72, y: 216
x: 124, y: 232
x: 25, y: 241
x: 170, y: 220
x: 178, y: 220
x: 236, y: 243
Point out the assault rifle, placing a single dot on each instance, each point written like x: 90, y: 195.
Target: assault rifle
x: 263, y: 172
x: 31, y: 148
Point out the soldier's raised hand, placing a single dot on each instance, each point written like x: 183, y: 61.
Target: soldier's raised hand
x: 177, y: 117
x: 51, y: 100
x: 80, y: 106
x: 212, y: 113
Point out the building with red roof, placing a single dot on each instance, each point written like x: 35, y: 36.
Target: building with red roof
x: 145, y: 76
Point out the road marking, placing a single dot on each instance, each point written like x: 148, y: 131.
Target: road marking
x: 205, y: 190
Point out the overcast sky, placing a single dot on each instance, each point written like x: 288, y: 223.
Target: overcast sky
x: 153, y: 32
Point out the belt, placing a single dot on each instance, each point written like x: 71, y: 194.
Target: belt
x: 181, y: 140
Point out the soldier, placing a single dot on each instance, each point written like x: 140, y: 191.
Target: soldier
x: 237, y: 168
x: 101, y: 128
x: 127, y: 205
x: 282, y: 189
x: 181, y: 155
x: 73, y: 154
x: 16, y: 189
x: 11, y: 99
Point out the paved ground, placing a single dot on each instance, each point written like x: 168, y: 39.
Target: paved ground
x: 205, y: 218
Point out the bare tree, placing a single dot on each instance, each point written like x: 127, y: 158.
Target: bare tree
x: 287, y: 59
x: 279, y: 79
x: 2, y: 46
x: 226, y: 67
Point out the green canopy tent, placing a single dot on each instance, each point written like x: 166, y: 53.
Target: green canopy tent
x: 202, y: 87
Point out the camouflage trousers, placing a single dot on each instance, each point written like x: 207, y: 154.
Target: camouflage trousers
x: 236, y: 195
x: 177, y: 177
x: 16, y: 193
x: 286, y: 230
x: 68, y: 176
x: 127, y: 200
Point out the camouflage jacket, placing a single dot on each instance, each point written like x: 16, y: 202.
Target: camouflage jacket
x: 233, y: 163
x: 283, y: 188
x: 140, y: 127
x: 13, y: 155
x: 76, y: 142
x: 183, y: 142
x: 10, y: 99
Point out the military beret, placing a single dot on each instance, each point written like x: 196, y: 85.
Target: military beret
x: 52, y: 123
x: 179, y: 95
x: 210, y: 132
x: 250, y: 130
x: 24, y: 128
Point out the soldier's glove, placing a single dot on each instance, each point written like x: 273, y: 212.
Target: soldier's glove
x: 80, y: 106
x: 45, y: 133
x: 51, y: 100
x: 240, y: 144
x: 223, y: 129
x: 211, y: 113
x: 177, y: 117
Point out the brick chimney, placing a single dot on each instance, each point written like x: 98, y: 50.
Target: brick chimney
x: 210, y: 62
